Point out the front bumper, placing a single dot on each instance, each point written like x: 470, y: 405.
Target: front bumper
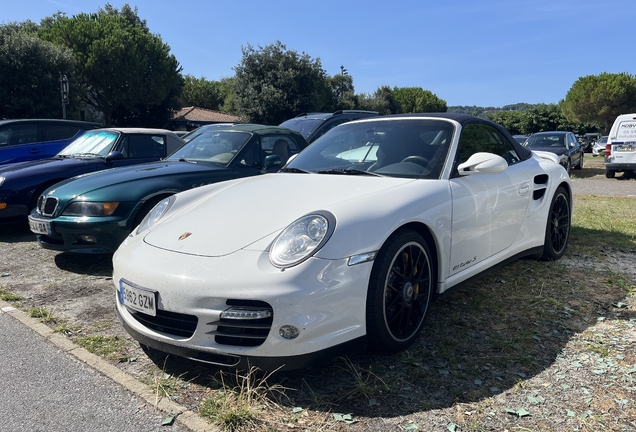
x: 88, y: 235
x: 324, y: 299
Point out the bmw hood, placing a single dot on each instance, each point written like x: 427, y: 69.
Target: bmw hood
x: 123, y: 181
x: 230, y: 216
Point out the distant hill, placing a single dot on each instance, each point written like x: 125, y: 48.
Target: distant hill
x: 482, y: 111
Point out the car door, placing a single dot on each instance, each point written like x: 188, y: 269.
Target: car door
x: 575, y: 148
x: 488, y: 209
x: 140, y: 148
x: 19, y: 142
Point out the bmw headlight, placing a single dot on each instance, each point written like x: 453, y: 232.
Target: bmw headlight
x: 84, y: 208
x: 302, y: 239
x: 155, y: 214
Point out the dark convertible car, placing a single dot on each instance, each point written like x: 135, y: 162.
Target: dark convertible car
x: 95, y: 150
x: 95, y: 213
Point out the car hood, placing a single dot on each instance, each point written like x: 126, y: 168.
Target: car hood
x: 43, y: 165
x: 125, y: 181
x: 234, y: 215
x: 556, y: 150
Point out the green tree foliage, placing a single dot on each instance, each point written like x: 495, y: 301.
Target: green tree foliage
x: 124, y: 71
x: 202, y: 93
x: 517, y: 122
x: 273, y: 84
x: 600, y: 98
x: 342, y: 93
x: 30, y: 71
x: 418, y: 100
x: 382, y: 100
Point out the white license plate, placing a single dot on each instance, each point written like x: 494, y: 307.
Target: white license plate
x: 626, y: 148
x: 139, y: 299
x: 39, y: 226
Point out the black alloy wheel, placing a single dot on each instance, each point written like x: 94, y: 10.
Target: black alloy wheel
x: 557, y: 231
x: 400, y: 292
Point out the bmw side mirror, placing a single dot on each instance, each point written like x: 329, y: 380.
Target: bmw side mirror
x: 270, y: 161
x: 114, y: 155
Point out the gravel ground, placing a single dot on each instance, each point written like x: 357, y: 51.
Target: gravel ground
x: 574, y: 387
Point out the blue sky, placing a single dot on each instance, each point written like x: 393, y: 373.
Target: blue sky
x: 467, y: 52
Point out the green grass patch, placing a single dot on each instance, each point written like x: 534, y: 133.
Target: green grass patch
x: 605, y: 222
x: 41, y: 313
x: 7, y: 296
x: 110, y: 347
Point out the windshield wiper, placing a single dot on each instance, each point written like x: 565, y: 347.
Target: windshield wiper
x: 349, y: 171
x: 294, y: 170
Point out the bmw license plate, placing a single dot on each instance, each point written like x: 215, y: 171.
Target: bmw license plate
x: 139, y: 299
x: 39, y: 226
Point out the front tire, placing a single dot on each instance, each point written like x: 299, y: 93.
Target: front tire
x: 400, y: 292
x: 557, y: 231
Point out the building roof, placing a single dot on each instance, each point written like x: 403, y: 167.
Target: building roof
x: 196, y: 114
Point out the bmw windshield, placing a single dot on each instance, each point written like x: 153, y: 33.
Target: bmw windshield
x: 218, y: 147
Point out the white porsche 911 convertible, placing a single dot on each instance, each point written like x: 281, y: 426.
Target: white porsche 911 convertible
x: 345, y: 248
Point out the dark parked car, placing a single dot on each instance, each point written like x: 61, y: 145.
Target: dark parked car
x: 21, y: 183
x: 314, y: 125
x: 561, y: 143
x: 95, y: 213
x: 32, y: 139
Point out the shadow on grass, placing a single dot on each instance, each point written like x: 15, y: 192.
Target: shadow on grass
x: 478, y: 342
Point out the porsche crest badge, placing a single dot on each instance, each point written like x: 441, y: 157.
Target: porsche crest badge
x: 185, y: 235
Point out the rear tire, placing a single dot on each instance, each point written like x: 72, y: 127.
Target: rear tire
x: 557, y: 231
x: 610, y: 174
x: 400, y: 292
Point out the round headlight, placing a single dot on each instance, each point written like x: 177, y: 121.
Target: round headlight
x: 155, y: 214
x: 302, y: 239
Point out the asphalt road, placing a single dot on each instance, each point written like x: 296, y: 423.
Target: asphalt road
x: 46, y: 389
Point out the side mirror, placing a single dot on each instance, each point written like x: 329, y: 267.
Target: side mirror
x: 114, y: 155
x: 270, y: 161
x: 483, y: 163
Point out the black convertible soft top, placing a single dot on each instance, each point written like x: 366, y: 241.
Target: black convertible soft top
x: 464, y: 119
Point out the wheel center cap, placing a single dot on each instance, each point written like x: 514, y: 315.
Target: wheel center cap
x: 408, y: 291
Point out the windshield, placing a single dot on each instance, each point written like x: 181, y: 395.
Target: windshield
x: 545, y: 141
x: 212, y: 146
x: 395, y: 148
x: 302, y: 125
x: 96, y: 143
x: 602, y: 140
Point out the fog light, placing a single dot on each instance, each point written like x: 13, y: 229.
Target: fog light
x: 88, y: 238
x: 3, y: 206
x: 245, y: 313
x: 288, y: 332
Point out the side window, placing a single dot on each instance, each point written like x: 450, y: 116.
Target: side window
x: 280, y: 145
x: 252, y: 155
x: 144, y: 146
x: 18, y: 134
x: 477, y: 138
x: 332, y: 125
x: 52, y: 132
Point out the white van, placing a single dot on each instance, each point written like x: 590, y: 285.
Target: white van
x: 620, y: 151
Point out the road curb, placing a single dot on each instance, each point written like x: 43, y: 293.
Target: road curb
x: 184, y: 416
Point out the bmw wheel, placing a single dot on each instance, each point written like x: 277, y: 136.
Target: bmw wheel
x: 400, y: 292
x: 557, y: 231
